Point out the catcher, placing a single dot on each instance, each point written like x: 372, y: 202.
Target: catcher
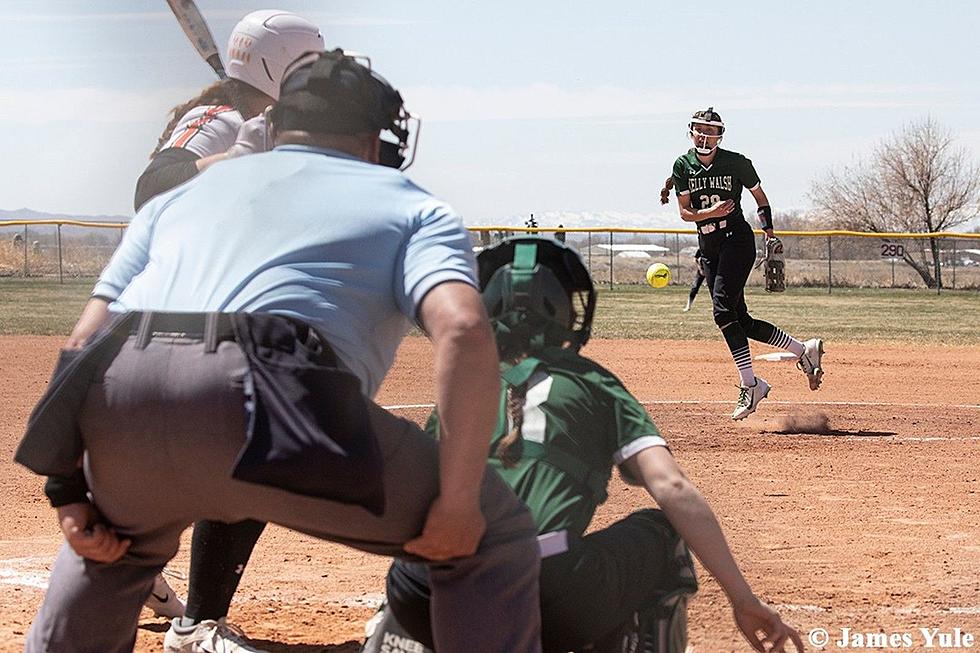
x: 709, y: 182
x: 564, y: 423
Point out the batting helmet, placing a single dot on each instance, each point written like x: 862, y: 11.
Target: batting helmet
x: 538, y: 293
x: 264, y: 42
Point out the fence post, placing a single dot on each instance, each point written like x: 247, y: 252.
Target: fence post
x: 25, y: 251
x: 590, y: 253
x: 611, y: 260
x: 830, y: 266
x: 677, y: 249
x: 954, y: 264
x: 937, y: 259
x: 61, y: 274
x: 893, y: 272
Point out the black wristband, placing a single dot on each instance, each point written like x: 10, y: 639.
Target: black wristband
x: 62, y: 490
x: 765, y: 217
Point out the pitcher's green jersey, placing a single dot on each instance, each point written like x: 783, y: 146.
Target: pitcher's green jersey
x: 579, y: 421
x: 724, y: 179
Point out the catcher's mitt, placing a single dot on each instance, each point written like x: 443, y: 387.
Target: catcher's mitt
x: 775, y: 265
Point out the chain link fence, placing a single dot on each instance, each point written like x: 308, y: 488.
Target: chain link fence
x: 52, y: 248
x: 813, y: 259
x: 73, y: 249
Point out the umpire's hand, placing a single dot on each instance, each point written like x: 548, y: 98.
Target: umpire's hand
x: 86, y: 533
x: 450, y: 531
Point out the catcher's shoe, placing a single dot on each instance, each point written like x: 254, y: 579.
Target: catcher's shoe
x: 810, y: 362
x: 208, y: 636
x: 163, y: 600
x: 749, y: 398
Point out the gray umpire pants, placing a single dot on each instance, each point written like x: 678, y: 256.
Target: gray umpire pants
x: 162, y: 431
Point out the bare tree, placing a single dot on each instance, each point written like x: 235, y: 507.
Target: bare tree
x: 917, y: 180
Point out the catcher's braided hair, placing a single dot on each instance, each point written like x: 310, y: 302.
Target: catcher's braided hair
x: 665, y: 191
x: 511, y: 446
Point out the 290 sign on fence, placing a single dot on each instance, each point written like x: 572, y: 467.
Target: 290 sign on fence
x: 892, y: 251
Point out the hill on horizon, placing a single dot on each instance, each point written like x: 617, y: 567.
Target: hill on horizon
x: 31, y: 214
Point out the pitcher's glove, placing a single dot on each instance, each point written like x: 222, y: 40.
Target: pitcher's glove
x: 775, y: 265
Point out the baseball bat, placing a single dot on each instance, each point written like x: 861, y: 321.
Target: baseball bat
x: 196, y: 29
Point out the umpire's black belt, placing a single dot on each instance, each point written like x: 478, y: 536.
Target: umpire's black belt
x: 212, y: 328
x: 709, y: 227
x: 215, y: 328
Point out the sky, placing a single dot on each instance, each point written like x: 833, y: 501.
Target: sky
x: 571, y: 110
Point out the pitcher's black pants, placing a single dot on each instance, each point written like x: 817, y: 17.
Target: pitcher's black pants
x: 728, y: 259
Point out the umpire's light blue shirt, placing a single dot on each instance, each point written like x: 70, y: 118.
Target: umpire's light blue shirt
x: 348, y: 246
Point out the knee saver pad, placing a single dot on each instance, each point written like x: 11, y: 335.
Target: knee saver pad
x: 383, y: 634
x: 660, y: 628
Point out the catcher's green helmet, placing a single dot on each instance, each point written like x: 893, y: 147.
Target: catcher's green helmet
x: 538, y: 293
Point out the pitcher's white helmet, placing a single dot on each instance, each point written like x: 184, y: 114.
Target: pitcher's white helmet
x: 264, y: 42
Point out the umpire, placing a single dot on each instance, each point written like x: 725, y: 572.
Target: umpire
x: 223, y: 336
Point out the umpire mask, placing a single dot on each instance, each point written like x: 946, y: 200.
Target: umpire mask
x: 333, y: 93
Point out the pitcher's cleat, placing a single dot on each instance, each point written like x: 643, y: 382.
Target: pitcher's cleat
x: 811, y: 362
x: 749, y: 398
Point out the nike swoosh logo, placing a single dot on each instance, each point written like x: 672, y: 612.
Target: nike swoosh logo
x: 161, y: 599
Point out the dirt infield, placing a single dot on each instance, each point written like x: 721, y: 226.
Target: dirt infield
x: 872, y: 525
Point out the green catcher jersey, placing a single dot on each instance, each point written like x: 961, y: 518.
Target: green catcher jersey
x: 579, y: 421
x: 724, y: 179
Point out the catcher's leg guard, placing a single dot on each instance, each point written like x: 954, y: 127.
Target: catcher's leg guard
x: 660, y: 627
x: 383, y: 634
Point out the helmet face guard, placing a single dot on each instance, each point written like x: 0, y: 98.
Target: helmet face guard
x: 538, y: 294
x: 700, y: 137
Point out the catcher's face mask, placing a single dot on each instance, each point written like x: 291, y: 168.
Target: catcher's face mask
x: 334, y: 92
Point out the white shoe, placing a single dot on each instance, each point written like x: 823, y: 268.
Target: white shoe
x: 208, y: 636
x: 749, y: 398
x: 163, y: 600
x: 810, y: 361
x: 688, y: 307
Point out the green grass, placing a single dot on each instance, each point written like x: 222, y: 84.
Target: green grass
x: 854, y: 315
x: 41, y: 306
x: 45, y: 307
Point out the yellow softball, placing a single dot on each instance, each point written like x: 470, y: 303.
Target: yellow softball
x: 658, y: 275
